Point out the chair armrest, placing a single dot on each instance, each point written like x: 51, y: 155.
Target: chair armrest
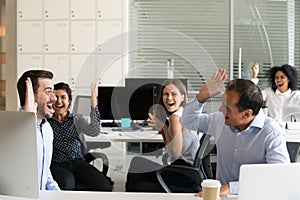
x: 91, y: 156
x: 190, y: 172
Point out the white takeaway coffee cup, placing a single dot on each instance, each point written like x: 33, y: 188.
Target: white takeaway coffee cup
x: 210, y: 189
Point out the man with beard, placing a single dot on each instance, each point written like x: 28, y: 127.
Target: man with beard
x: 36, y: 95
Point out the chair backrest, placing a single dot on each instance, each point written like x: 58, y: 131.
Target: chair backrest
x: 201, y: 169
x: 82, y: 105
x: 83, y: 144
x: 202, y: 159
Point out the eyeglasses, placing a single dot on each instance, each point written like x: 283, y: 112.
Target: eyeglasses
x: 48, y: 91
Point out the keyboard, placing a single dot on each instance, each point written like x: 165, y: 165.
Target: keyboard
x: 129, y: 129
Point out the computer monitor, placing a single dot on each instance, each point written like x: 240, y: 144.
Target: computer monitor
x: 145, y: 93
x: 142, y: 99
x: 18, y: 154
x: 111, y: 102
x: 134, y: 101
x: 125, y: 102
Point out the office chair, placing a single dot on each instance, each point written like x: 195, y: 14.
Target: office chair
x: 89, y: 156
x: 293, y: 149
x: 82, y: 105
x: 200, y: 170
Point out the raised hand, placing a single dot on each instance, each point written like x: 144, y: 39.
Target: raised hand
x: 94, y: 95
x: 255, y: 70
x: 30, y: 104
x: 211, y: 86
x: 154, y: 122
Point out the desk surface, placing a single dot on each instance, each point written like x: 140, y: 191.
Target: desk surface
x: 74, y: 195
x: 148, y: 135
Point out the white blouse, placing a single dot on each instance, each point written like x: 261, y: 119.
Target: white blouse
x: 277, y: 101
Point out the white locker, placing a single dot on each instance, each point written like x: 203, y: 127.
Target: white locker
x: 56, y: 37
x: 83, y: 37
x: 80, y: 10
x: 78, y: 31
x: 26, y: 11
x: 56, y: 9
x: 32, y: 61
x: 30, y: 37
x: 109, y: 37
x: 83, y: 70
x: 112, y: 9
x: 59, y: 65
x: 110, y: 70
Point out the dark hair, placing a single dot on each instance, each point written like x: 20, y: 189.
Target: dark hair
x: 161, y: 113
x: 34, y: 75
x: 250, y: 95
x: 65, y: 87
x: 289, y: 71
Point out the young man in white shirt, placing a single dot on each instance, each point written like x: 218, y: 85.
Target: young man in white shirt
x: 36, y: 95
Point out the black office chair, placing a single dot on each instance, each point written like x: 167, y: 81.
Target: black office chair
x: 90, y: 156
x: 82, y: 106
x: 200, y: 170
x: 293, y: 149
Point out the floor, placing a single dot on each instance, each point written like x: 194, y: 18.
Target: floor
x: 119, y: 161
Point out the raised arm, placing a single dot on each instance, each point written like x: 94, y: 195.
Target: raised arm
x: 94, y: 95
x: 211, y: 86
x: 92, y: 127
x: 171, y: 133
x: 30, y: 104
x: 192, y: 117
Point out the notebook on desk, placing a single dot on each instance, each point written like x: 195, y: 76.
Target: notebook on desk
x: 269, y: 181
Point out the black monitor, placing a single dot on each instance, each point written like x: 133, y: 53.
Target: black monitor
x: 125, y: 102
x: 145, y: 93
x: 133, y: 101
x: 142, y: 99
x: 110, y: 102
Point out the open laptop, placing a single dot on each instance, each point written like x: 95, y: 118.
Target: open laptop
x: 269, y: 181
x: 18, y: 154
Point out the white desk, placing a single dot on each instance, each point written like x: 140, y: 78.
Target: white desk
x: 76, y: 195
x: 148, y: 135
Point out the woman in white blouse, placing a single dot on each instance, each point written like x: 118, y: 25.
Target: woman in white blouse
x: 282, y: 91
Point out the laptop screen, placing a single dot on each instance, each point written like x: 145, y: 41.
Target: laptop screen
x: 269, y: 181
x: 18, y: 154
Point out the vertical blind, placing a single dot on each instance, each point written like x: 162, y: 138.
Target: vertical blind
x: 196, y: 35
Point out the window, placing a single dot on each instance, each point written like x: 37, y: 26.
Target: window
x: 197, y: 35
